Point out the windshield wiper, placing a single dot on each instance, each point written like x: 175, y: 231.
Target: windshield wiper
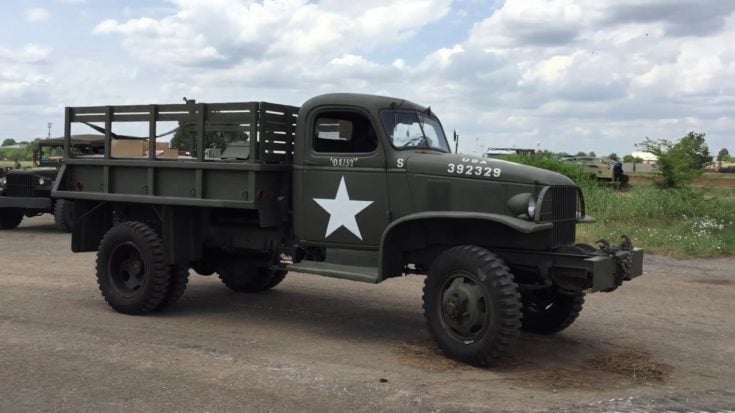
x: 417, y: 141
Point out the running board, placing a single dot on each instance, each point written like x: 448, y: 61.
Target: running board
x: 345, y: 272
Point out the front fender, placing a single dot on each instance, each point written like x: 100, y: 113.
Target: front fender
x: 389, y: 252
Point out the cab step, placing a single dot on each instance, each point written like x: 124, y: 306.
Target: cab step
x: 345, y: 272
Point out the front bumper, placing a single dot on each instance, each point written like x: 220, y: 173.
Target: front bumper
x: 596, y: 269
x: 609, y: 271
x: 25, y: 202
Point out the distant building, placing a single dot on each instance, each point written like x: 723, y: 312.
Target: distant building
x: 500, y: 152
x: 18, y: 146
x: 647, y: 157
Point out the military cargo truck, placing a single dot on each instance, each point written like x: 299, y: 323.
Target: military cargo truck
x: 601, y: 169
x: 357, y: 187
x: 27, y: 192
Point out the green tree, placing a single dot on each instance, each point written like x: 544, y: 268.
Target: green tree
x: 592, y: 154
x: 723, y: 154
x: 613, y: 156
x: 581, y: 154
x: 9, y: 142
x: 679, y: 162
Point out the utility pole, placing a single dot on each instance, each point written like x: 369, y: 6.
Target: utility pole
x: 49, y: 129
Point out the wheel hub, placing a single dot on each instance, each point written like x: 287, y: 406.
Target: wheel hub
x: 127, y: 269
x: 463, y: 307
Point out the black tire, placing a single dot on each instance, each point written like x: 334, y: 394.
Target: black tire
x: 549, y: 311
x: 132, y: 273
x: 275, y: 278
x: 64, y: 215
x: 177, y: 286
x: 10, y: 218
x: 472, y: 305
x: 243, y: 278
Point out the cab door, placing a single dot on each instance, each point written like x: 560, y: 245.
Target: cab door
x: 344, y: 188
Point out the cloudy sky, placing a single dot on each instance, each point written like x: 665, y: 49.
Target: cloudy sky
x: 565, y: 75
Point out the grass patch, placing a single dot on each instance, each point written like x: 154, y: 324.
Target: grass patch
x: 11, y: 164
x: 678, y: 222
x: 684, y: 222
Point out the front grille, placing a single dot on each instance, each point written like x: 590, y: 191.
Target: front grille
x: 19, y: 185
x: 559, y: 205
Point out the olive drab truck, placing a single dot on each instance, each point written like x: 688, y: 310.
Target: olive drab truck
x: 357, y: 187
x: 27, y: 192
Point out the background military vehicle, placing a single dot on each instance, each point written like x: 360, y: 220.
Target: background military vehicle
x: 27, y: 192
x: 357, y: 187
x: 602, y: 169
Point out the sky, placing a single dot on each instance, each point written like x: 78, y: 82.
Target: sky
x: 561, y: 75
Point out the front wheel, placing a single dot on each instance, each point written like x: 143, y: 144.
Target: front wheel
x: 472, y: 305
x: 10, y: 217
x: 549, y: 311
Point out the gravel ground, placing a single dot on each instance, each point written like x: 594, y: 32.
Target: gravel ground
x: 663, y: 342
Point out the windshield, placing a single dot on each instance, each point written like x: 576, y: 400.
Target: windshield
x: 411, y: 130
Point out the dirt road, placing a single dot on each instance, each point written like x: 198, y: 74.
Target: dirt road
x: 664, y: 342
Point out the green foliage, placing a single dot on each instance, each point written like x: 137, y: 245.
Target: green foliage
x: 613, y: 156
x: 685, y: 221
x: 682, y: 222
x: 20, y: 154
x: 550, y: 162
x: 723, y: 155
x: 9, y: 142
x: 680, y: 162
x: 632, y: 159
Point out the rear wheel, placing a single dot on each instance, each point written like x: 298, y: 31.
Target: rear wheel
x: 472, y: 305
x: 10, y: 217
x: 63, y: 215
x: 549, y: 311
x: 177, y: 286
x: 132, y: 273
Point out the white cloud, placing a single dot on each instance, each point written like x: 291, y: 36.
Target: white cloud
x: 30, y: 53
x: 36, y: 14
x: 241, y: 30
x: 569, y: 74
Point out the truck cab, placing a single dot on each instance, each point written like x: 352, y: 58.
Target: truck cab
x: 358, y: 187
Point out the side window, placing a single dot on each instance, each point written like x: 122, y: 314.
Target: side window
x: 344, y: 132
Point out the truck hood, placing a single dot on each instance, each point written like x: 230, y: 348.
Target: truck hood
x: 456, y: 165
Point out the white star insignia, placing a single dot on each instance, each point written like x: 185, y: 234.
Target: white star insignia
x: 342, y: 211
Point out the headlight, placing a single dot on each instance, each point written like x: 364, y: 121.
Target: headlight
x: 522, y: 205
x: 531, y: 207
x: 41, y: 181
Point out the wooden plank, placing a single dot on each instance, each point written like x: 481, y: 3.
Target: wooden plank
x: 242, y: 117
x: 249, y: 106
x: 88, y: 118
x: 267, y: 106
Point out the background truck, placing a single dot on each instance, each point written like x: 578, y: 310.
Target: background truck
x: 352, y: 186
x: 601, y: 169
x: 27, y: 192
